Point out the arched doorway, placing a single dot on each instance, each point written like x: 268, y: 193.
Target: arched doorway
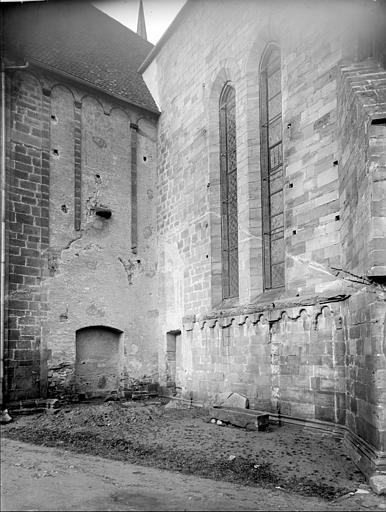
x: 97, y: 360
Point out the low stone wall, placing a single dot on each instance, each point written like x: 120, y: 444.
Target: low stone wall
x: 318, y: 359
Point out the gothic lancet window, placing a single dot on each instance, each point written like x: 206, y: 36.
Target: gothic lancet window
x: 228, y: 183
x: 271, y: 154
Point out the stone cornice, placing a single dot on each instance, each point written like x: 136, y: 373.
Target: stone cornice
x: 262, y: 312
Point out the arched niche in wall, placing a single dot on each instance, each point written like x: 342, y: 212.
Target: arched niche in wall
x: 97, y: 362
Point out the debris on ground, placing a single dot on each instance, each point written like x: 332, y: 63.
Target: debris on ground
x: 378, y: 483
x: 178, y: 404
x: 5, y: 417
x: 184, y: 440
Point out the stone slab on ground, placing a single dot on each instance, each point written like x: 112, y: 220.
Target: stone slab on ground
x: 244, y: 418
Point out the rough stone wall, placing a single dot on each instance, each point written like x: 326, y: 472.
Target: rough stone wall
x: 60, y: 249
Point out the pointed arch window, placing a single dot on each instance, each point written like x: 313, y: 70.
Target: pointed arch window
x: 228, y: 184
x: 271, y: 154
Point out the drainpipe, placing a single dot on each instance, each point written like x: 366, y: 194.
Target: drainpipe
x: 2, y: 263
x: 2, y: 218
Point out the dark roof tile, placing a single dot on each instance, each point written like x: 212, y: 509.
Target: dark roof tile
x: 77, y: 39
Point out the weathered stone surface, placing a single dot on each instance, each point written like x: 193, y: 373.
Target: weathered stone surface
x: 310, y: 350
x: 220, y: 398
x: 236, y: 400
x: 378, y: 483
x: 244, y: 418
x: 314, y: 349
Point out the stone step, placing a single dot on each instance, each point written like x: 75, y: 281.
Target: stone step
x: 250, y: 419
x: 33, y: 406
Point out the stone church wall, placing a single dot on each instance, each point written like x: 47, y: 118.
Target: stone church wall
x: 362, y: 191
x: 313, y: 350
x: 71, y: 153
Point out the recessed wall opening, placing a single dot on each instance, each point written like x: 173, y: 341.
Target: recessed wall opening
x: 172, y: 341
x: 97, y: 361
x: 103, y: 211
x: 379, y: 120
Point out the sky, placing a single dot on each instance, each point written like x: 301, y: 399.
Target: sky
x: 158, y: 14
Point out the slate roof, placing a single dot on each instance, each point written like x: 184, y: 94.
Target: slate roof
x: 77, y: 39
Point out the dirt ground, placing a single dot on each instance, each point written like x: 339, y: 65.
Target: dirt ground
x: 184, y: 440
x: 41, y: 478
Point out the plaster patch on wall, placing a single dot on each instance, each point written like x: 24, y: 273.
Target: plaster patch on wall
x: 147, y: 232
x: 53, y: 265
x: 68, y: 246
x: 94, y: 310
x: 129, y: 267
x: 101, y: 143
x: 92, y: 264
x: 91, y: 203
x: 63, y: 317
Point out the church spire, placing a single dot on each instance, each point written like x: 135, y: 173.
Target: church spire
x: 141, y: 26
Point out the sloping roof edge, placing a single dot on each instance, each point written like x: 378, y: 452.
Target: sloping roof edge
x: 169, y: 31
x: 79, y: 40
x: 91, y: 85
